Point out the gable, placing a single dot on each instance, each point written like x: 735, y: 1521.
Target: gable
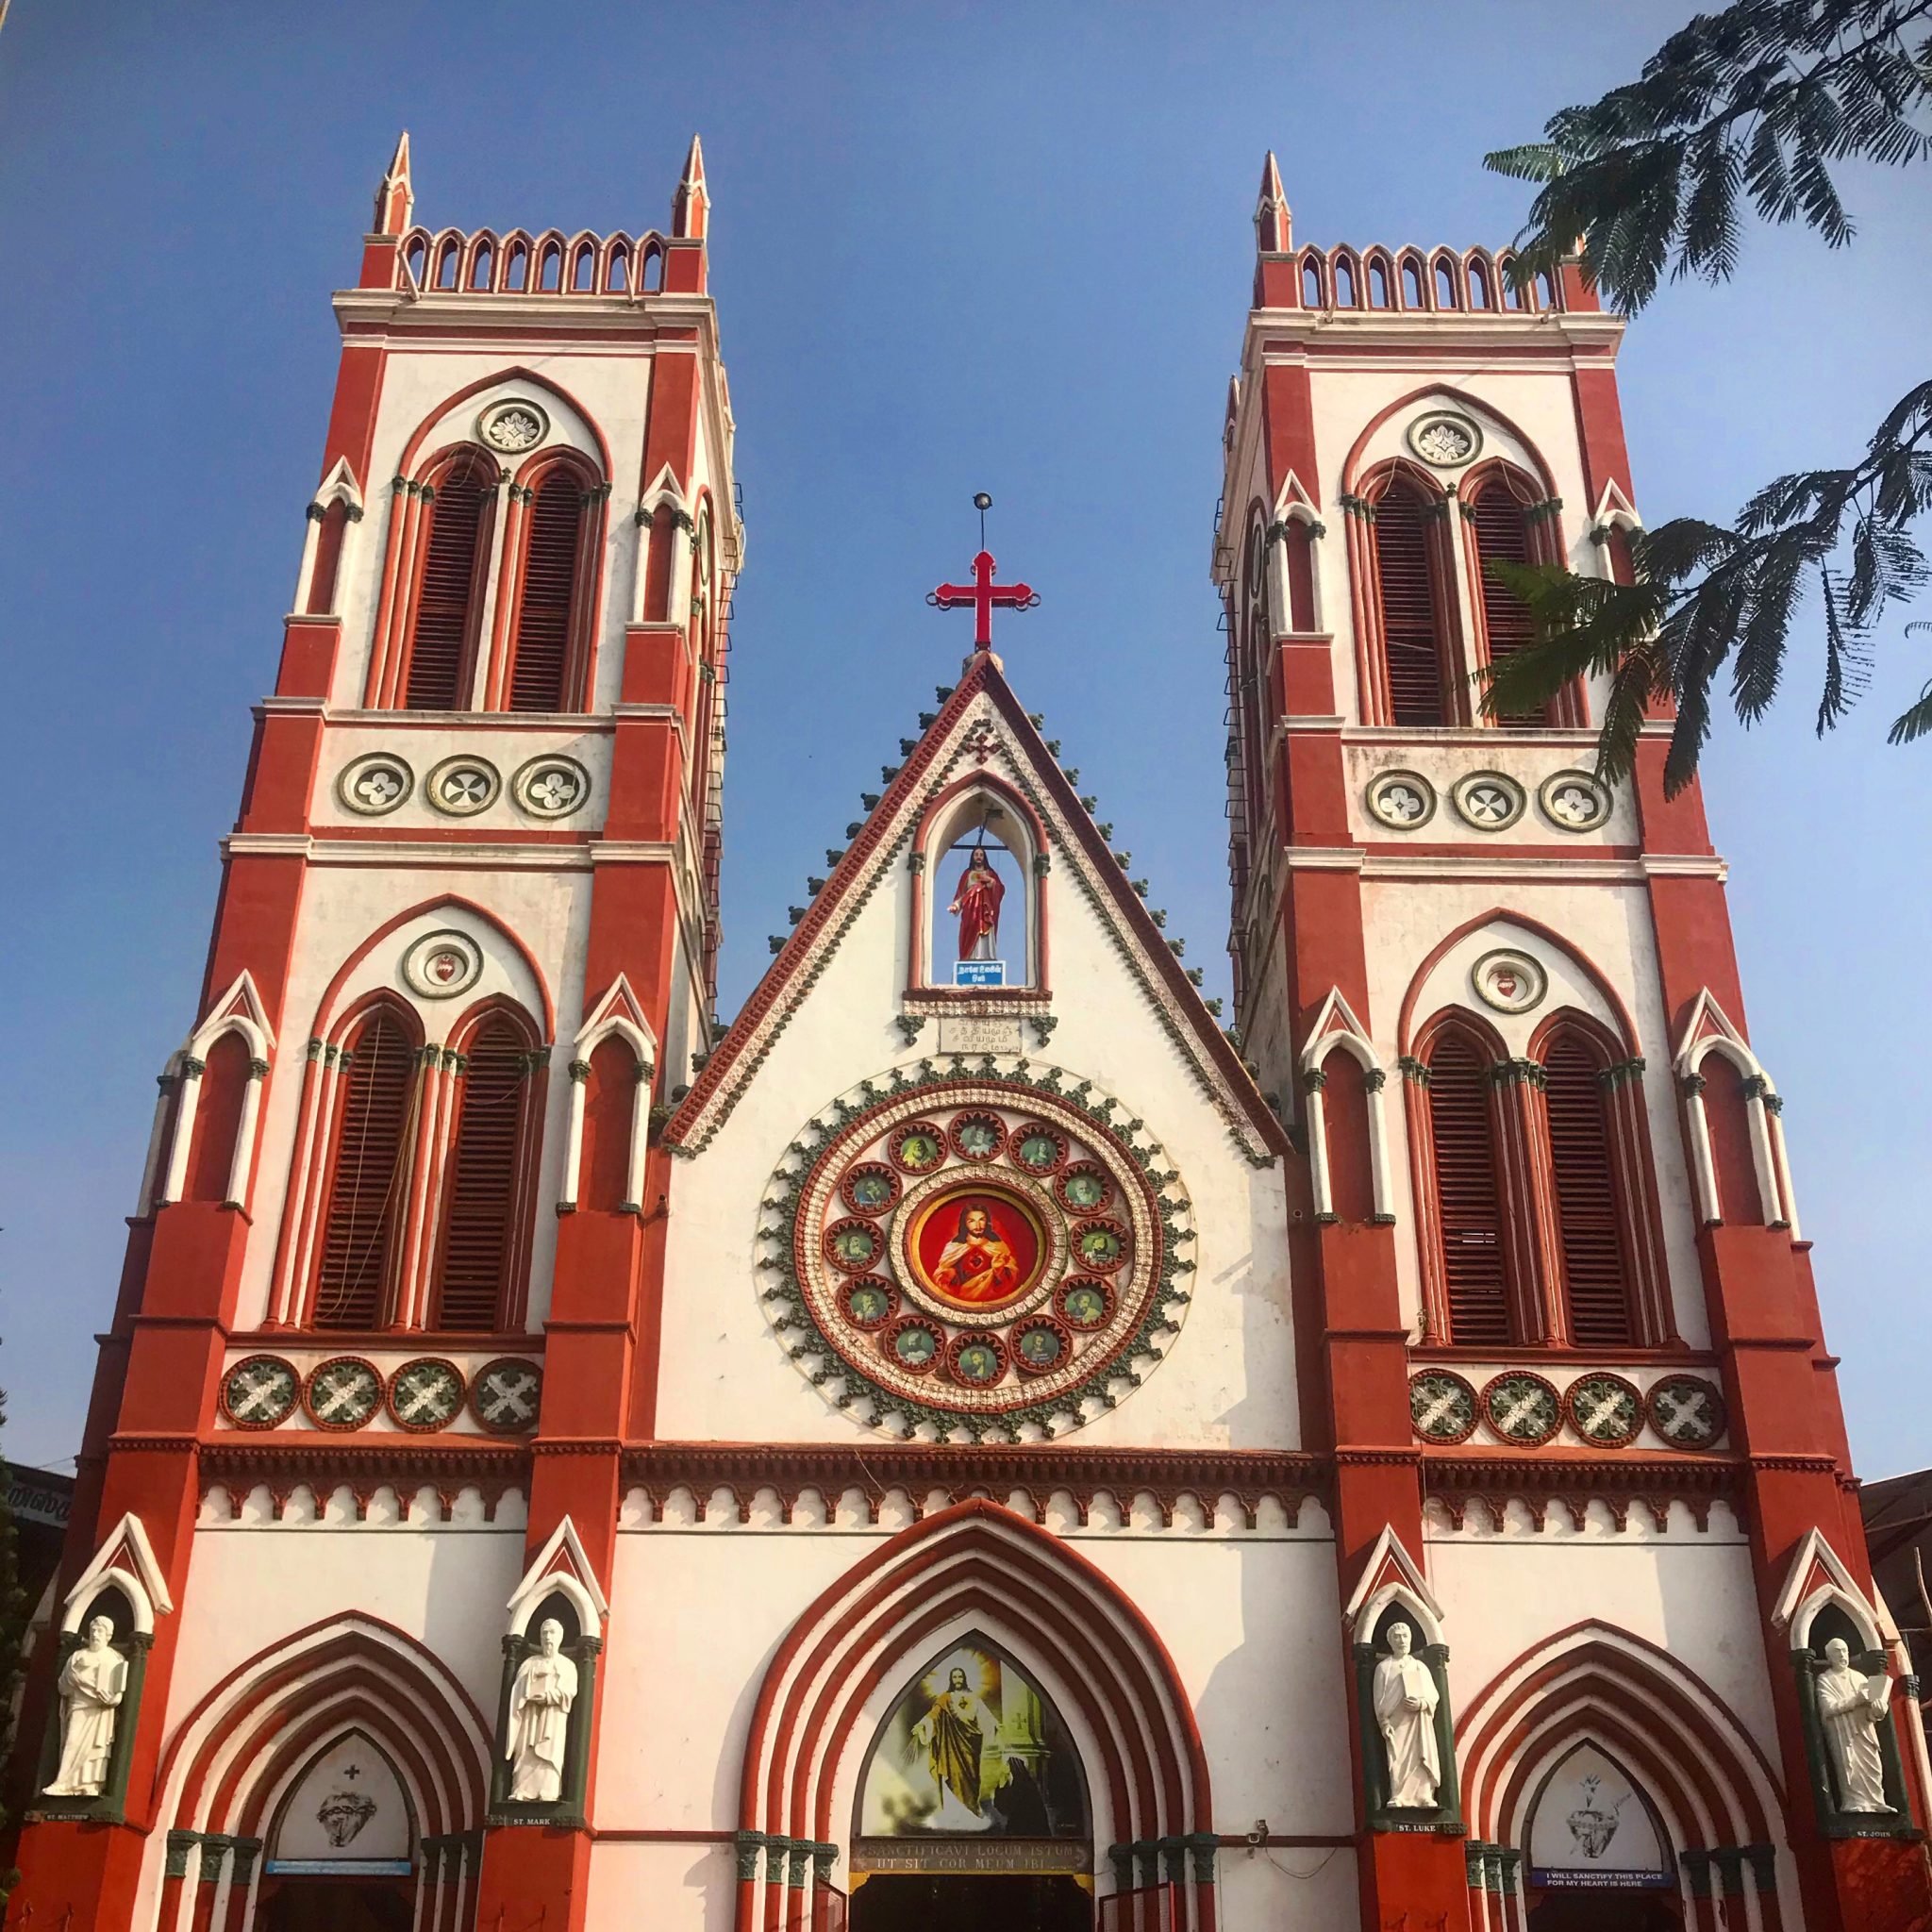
x: 981, y: 729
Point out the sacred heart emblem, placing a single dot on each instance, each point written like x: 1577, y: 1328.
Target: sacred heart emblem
x: 1589, y: 1825
x: 343, y: 1815
x: 445, y: 967
x: 1506, y: 983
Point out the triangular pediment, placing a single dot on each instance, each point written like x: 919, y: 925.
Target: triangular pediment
x: 1391, y: 1575
x: 981, y: 729
x: 562, y: 1565
x: 1709, y: 1026
x: 619, y: 1011
x: 1335, y: 1025
x: 126, y: 1559
x: 240, y: 1006
x: 1817, y: 1575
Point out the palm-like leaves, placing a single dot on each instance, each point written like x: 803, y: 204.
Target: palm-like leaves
x: 1755, y: 104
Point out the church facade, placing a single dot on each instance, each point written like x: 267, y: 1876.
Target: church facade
x: 978, y: 1438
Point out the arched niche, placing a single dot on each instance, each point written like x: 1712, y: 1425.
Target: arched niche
x: 1593, y: 1828
x: 980, y: 827
x: 346, y: 1815
x: 971, y: 1754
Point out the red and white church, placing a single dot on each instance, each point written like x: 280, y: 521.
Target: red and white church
x: 976, y: 1440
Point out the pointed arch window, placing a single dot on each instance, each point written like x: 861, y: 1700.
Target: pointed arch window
x: 368, y: 1175
x: 1410, y: 621
x: 475, y: 1254
x: 447, y: 609
x: 547, y: 615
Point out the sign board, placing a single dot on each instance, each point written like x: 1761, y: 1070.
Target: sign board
x: 1591, y: 1829
x: 979, y: 973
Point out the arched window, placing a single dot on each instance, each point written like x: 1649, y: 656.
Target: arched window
x: 617, y: 276
x: 449, y: 595
x: 1471, y: 1251
x: 218, y: 1121
x: 1380, y: 287
x: 1311, y: 282
x: 583, y: 280
x: 1481, y: 290
x: 474, y: 1258
x: 550, y: 268
x: 1344, y: 282
x: 480, y: 266
x: 1512, y: 296
x: 516, y: 268
x: 1726, y: 1112
x: 1347, y: 1141
x: 540, y: 639
x: 447, y: 260
x: 609, y: 1101
x: 652, y: 277
x: 1497, y: 525
x: 368, y: 1175
x: 1592, y: 1241
x: 1414, y: 635
x: 1445, y: 283
x: 1412, y: 283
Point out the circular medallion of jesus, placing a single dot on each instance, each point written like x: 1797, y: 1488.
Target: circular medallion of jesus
x: 966, y: 1196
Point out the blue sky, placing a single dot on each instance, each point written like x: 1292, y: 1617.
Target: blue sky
x: 955, y: 248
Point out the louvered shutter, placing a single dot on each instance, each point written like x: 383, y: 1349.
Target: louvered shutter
x: 445, y: 616
x: 367, y: 1184
x: 473, y: 1260
x: 550, y: 567
x: 1467, y: 1210
x: 1501, y: 533
x: 1589, y: 1229
x: 1411, y: 635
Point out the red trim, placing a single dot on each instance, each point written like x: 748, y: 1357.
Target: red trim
x: 1477, y: 404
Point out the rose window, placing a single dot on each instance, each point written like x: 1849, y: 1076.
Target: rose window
x: 978, y: 1250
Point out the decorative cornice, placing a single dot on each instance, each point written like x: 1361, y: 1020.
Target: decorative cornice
x: 875, y: 1468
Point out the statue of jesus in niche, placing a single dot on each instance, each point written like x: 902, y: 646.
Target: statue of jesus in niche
x: 976, y: 900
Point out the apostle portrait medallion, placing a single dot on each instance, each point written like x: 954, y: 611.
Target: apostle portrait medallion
x: 970, y: 1245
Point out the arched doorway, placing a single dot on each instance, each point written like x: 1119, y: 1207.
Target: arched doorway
x: 973, y: 1807
x: 340, y: 1853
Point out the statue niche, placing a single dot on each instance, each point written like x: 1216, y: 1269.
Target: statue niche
x: 549, y: 1669
x: 1845, y: 1690
x: 1401, y: 1695
x: 90, y: 1727
x: 983, y: 862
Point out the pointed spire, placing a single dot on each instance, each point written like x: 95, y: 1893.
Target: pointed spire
x: 1273, y: 224
x: 690, y: 207
x: 396, y: 198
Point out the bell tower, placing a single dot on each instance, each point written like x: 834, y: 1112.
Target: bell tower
x: 1548, y: 1242
x: 402, y: 1172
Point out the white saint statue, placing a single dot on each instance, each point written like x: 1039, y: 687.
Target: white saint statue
x: 92, y: 1682
x: 540, y: 1702
x: 1852, y: 1707
x: 1405, y: 1701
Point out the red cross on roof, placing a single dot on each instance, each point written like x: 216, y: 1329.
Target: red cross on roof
x: 983, y: 593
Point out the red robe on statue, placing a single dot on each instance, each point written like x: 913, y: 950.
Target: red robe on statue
x: 976, y: 900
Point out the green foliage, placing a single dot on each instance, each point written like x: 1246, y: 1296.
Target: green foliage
x: 1757, y: 104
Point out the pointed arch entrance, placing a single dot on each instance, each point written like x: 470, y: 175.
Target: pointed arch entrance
x: 973, y: 1587
x: 972, y: 1803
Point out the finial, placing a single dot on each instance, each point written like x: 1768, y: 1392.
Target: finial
x: 396, y: 198
x: 690, y: 207
x: 1273, y: 224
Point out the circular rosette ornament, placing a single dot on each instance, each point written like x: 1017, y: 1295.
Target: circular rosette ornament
x: 958, y: 1251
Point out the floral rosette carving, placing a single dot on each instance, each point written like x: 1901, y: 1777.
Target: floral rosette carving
x: 974, y: 1248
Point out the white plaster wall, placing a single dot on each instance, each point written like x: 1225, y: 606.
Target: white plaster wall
x: 1610, y: 925
x: 1691, y: 1594
x: 1229, y: 1379
x: 547, y: 909
x: 250, y: 1588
